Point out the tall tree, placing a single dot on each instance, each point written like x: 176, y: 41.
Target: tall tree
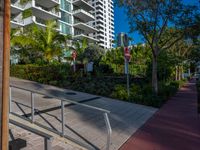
x: 152, y: 18
x: 34, y: 42
x: 80, y: 46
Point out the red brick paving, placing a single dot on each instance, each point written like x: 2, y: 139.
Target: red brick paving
x: 176, y: 126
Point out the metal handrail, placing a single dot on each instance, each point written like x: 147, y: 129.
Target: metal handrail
x: 33, y: 92
x: 59, y: 98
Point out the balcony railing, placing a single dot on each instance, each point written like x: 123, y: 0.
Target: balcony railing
x: 33, y: 4
x: 17, y: 4
x: 83, y: 11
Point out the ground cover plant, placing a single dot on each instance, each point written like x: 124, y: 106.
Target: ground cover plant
x: 109, y: 86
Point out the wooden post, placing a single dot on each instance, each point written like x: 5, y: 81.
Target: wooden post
x: 5, y: 76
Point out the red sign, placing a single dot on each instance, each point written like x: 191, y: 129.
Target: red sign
x: 126, y: 50
x: 74, y: 54
x: 127, y: 54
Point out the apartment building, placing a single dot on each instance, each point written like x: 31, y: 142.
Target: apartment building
x: 73, y: 16
x: 27, y: 12
x: 104, y: 22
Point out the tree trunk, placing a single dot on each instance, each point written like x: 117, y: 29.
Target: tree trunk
x: 182, y: 72
x: 179, y: 73
x: 154, y: 75
x: 176, y: 73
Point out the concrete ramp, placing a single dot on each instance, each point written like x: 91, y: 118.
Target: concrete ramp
x: 28, y: 128
x: 82, y: 124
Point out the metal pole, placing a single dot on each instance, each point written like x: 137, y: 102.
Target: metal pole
x: 109, y: 131
x: 47, y: 144
x: 63, y: 117
x: 32, y: 107
x: 127, y: 76
x: 74, y: 64
x: 4, y: 127
x: 10, y: 99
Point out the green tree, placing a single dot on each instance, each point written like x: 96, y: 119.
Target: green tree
x: 140, y: 58
x: 23, y: 45
x: 80, y: 46
x: 35, y: 42
x: 93, y: 53
x: 152, y: 19
x: 114, y: 58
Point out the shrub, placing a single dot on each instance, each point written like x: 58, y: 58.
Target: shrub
x: 44, y: 74
x: 110, y: 86
x: 120, y: 92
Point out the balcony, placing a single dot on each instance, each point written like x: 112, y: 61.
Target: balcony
x: 16, y: 8
x: 16, y: 23
x: 101, y: 31
x: 83, y: 15
x: 35, y: 20
x: 89, y: 38
x: 100, y: 20
x: 48, y: 3
x: 100, y: 25
x: 32, y: 20
x: 99, y: 16
x: 99, y: 3
x: 83, y: 4
x: 42, y: 12
x: 86, y: 28
x: 99, y: 8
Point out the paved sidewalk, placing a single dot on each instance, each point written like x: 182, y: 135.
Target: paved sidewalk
x: 84, y: 125
x: 176, y: 126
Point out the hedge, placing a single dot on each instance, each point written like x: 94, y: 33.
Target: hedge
x: 43, y: 74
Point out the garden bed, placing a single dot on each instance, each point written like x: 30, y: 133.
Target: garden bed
x: 113, y: 86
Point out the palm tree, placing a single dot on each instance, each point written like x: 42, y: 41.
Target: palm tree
x: 80, y: 46
x: 46, y: 43
x: 50, y: 41
x: 23, y: 44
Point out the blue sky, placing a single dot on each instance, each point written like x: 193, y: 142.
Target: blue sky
x: 121, y: 22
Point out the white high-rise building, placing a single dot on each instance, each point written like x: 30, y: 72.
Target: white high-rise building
x: 104, y: 22
x: 75, y: 18
x: 91, y: 19
x: 72, y: 16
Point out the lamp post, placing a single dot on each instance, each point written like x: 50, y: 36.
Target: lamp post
x: 4, y: 72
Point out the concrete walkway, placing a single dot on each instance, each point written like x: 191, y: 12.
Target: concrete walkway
x: 176, y: 126
x: 83, y: 125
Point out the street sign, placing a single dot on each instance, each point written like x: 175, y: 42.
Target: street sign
x: 74, y: 54
x: 127, y: 54
x: 127, y: 58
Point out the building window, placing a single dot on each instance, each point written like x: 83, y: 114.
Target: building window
x: 65, y: 28
x: 66, y: 5
x: 65, y: 17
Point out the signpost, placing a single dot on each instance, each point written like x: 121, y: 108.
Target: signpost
x: 123, y: 41
x: 74, y: 55
x: 127, y: 58
x: 4, y: 71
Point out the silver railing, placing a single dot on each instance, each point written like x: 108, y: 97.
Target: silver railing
x: 33, y: 92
